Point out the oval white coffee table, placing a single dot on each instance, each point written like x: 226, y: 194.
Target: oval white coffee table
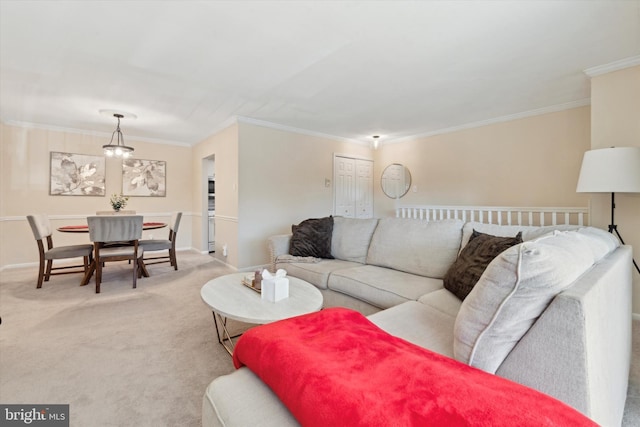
x: 230, y: 299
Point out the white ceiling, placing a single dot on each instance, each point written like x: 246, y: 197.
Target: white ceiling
x: 349, y: 69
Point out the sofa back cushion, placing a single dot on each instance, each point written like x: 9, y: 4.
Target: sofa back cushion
x: 351, y: 238
x: 413, y: 246
x: 517, y: 287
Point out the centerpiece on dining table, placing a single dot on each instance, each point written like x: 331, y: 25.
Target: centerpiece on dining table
x: 118, y: 201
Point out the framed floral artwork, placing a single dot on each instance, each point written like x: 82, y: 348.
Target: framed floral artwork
x: 76, y: 175
x: 144, y: 178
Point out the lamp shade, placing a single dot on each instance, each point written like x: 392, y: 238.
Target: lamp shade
x: 610, y: 170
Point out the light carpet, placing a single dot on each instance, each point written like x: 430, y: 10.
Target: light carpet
x: 130, y: 357
x: 632, y: 407
x: 124, y: 357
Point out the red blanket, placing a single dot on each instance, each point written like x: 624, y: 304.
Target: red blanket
x: 336, y: 368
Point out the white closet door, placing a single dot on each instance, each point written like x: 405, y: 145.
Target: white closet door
x: 364, y: 189
x: 344, y: 177
x: 353, y: 187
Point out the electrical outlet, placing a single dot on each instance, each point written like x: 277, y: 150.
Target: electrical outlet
x: 151, y: 236
x: 224, y: 250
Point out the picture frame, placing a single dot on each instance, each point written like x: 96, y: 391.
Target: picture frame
x: 73, y: 174
x: 145, y: 178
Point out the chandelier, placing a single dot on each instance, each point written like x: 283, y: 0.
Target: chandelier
x: 118, y: 149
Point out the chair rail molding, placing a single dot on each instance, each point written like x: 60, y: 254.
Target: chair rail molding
x: 84, y: 216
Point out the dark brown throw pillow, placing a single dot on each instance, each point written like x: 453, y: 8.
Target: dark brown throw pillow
x: 482, y: 248
x: 312, y: 237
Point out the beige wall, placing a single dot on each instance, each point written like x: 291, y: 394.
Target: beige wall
x: 615, y: 121
x: 24, y: 187
x: 224, y: 146
x: 266, y: 180
x: 533, y: 161
x: 282, y: 182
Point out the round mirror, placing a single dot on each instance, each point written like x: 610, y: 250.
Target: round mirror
x: 396, y: 180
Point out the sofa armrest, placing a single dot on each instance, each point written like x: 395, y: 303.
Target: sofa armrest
x: 579, y: 350
x: 278, y: 245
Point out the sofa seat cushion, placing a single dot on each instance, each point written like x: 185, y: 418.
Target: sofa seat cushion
x: 517, y: 287
x: 316, y: 273
x: 381, y: 287
x: 418, y: 247
x: 351, y: 238
x: 442, y: 300
x: 419, y: 324
x: 242, y: 399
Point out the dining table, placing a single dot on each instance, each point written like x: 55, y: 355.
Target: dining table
x: 83, y: 228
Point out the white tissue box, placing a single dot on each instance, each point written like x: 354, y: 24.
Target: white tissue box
x: 275, y: 289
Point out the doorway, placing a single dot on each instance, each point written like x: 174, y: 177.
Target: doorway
x: 209, y: 204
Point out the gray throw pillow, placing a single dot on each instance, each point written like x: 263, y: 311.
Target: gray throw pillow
x: 473, y: 260
x: 312, y: 237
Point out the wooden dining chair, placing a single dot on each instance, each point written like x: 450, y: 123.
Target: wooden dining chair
x: 42, y: 231
x: 152, y: 245
x: 115, y: 238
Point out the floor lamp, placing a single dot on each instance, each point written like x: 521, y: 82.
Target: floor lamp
x: 611, y: 170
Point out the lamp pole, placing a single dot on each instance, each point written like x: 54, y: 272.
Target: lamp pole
x: 613, y: 227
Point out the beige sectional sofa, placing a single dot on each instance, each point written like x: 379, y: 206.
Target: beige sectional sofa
x: 552, y: 313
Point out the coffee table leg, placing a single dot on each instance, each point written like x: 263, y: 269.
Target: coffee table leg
x: 224, y: 337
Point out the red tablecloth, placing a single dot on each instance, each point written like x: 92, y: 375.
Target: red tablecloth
x: 146, y: 225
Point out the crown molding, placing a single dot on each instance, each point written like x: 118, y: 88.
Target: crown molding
x: 219, y: 128
x: 30, y: 125
x: 621, y: 64
x: 276, y: 126
x: 243, y: 119
x: 502, y: 119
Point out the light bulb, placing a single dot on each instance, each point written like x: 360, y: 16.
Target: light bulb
x: 375, y: 141
x: 118, y: 151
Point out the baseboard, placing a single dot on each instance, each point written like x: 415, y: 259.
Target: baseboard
x: 23, y: 265
x: 234, y: 268
x: 255, y: 267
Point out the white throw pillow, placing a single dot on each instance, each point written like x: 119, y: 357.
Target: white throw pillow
x: 602, y: 242
x: 516, y: 288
